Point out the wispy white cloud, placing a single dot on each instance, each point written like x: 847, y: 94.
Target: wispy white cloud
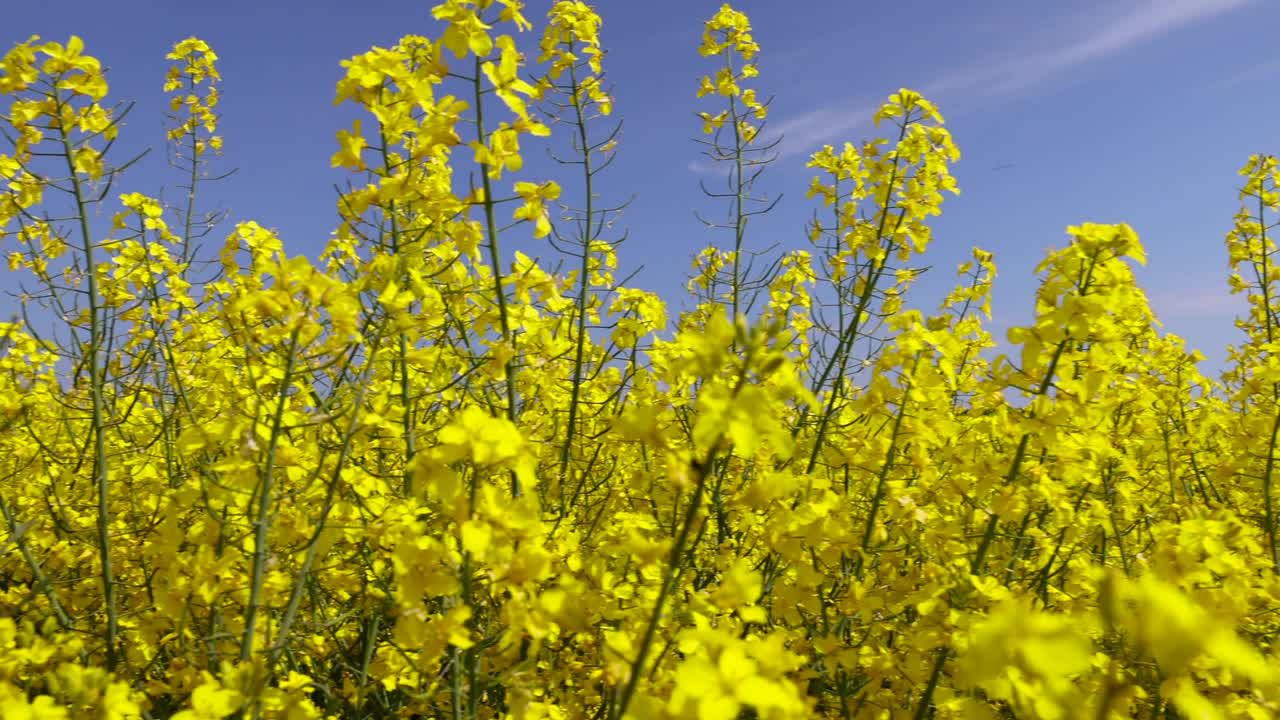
x: 1197, y: 302
x: 1107, y: 30
x: 806, y: 131
x: 1107, y: 35
x: 1263, y: 71
x: 802, y: 131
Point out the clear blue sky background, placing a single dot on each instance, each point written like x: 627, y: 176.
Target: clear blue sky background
x: 1137, y: 111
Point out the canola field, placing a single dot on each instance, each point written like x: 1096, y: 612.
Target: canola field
x: 423, y: 476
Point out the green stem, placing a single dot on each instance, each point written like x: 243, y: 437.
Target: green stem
x: 16, y: 533
x: 295, y: 596
x: 583, y: 284
x: 844, y: 346
x: 495, y: 259
x: 1269, y: 520
x: 406, y: 420
x: 702, y: 469
x: 988, y: 536
x: 264, y: 504
x: 739, y: 190
x: 885, y: 469
x: 675, y: 561
x: 96, y: 383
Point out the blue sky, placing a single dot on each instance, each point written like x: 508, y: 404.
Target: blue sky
x: 1137, y: 111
